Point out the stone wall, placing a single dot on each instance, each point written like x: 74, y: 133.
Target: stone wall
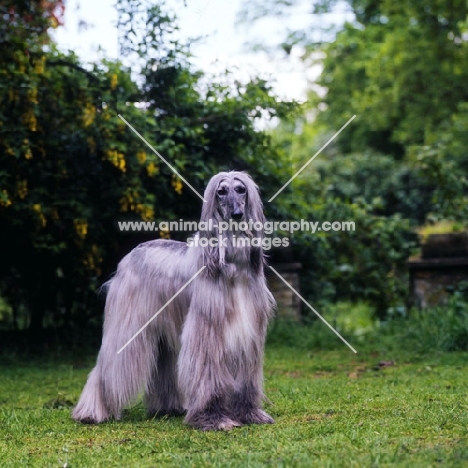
x: 288, y: 303
x: 443, y: 264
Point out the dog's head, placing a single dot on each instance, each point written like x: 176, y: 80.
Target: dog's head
x: 231, y: 194
x: 232, y: 197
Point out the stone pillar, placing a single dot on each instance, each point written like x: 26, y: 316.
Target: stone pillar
x: 288, y: 304
x: 443, y: 263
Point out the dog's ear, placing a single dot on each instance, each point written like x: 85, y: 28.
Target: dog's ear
x: 212, y: 255
x: 254, y: 206
x: 257, y: 259
x: 254, y: 212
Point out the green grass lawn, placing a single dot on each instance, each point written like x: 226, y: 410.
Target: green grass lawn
x: 332, y: 408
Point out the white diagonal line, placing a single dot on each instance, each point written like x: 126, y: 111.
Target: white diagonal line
x: 161, y: 309
x: 203, y: 10
x: 312, y: 309
x: 160, y: 157
x: 312, y: 158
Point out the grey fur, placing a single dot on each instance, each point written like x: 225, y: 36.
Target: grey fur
x: 203, y: 354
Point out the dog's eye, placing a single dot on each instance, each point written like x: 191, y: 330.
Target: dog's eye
x: 240, y: 189
x: 222, y: 191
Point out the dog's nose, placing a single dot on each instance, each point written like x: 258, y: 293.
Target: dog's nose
x: 237, y: 214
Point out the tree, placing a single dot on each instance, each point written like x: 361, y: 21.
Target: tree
x: 399, y: 67
x: 70, y: 168
x: 61, y: 143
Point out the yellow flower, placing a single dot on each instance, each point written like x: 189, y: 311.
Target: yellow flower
x: 152, y: 169
x: 22, y: 189
x: 88, y: 114
x: 53, y: 22
x: 177, y: 184
x: 116, y: 159
x: 38, y: 209
x: 114, y: 81
x: 39, y: 65
x: 27, y: 149
x: 30, y: 120
x: 141, y: 156
x: 127, y: 202
x: 145, y: 211
x: 121, y: 165
x: 81, y: 227
x: 4, y: 198
x: 92, y: 260
x: 32, y: 96
x: 164, y: 234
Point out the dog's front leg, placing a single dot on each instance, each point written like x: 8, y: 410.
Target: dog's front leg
x: 204, y: 379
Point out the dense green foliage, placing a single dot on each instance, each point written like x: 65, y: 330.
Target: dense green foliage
x: 438, y: 329
x: 401, y: 69
x: 70, y: 168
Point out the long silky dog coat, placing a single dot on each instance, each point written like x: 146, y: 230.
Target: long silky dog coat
x: 203, y: 354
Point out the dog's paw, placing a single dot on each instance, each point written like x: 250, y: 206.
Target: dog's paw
x: 210, y: 422
x: 87, y: 421
x: 257, y: 416
x: 226, y: 424
x: 85, y: 417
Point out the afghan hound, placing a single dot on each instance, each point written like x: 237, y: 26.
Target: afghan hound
x: 202, y: 356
